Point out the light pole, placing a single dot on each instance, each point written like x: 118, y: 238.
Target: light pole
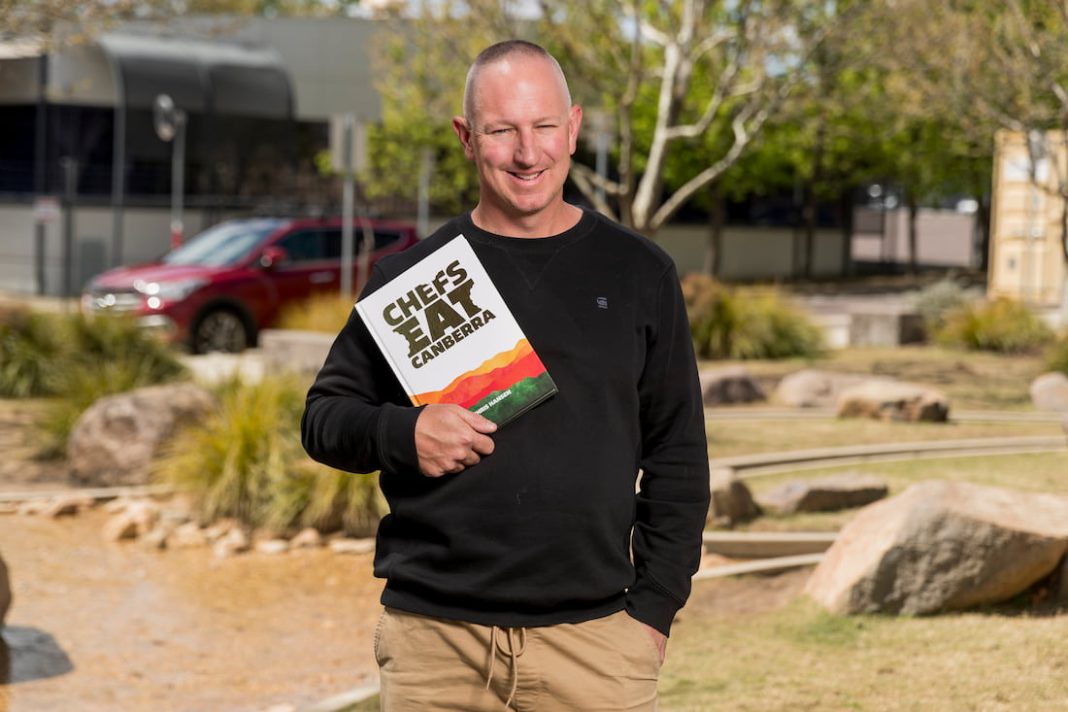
x: 170, y: 124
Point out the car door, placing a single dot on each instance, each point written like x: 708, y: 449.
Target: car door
x: 311, y: 267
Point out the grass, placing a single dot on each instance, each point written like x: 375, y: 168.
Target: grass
x: 801, y: 658
x: 326, y: 313
x: 971, y: 380
x: 1037, y: 472
x: 741, y: 437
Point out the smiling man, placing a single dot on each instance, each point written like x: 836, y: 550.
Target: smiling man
x: 523, y: 569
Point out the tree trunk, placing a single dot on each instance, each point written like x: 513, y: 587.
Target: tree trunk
x: 914, y: 209
x: 845, y: 216
x: 716, y: 218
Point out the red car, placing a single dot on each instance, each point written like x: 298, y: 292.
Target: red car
x: 216, y: 291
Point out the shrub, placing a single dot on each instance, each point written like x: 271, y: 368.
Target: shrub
x: 29, y: 343
x: 1002, y: 325
x: 80, y: 360
x: 246, y: 462
x: 1057, y: 355
x: 746, y: 324
x: 937, y: 300
x: 324, y: 312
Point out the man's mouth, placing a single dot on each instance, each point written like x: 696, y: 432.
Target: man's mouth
x: 526, y: 177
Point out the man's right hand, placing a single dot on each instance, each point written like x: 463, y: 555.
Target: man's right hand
x: 449, y: 439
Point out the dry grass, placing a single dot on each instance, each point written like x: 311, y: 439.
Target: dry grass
x: 740, y: 437
x: 1039, y: 472
x: 972, y: 380
x: 801, y: 658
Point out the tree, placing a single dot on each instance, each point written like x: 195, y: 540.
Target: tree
x: 671, y: 74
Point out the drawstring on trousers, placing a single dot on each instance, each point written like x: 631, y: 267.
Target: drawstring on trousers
x: 512, y: 652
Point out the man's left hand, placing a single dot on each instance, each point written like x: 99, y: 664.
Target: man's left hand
x: 659, y: 639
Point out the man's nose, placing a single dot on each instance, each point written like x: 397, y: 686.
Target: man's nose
x: 526, y: 153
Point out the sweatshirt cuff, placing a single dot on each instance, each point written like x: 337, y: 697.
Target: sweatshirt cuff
x: 396, y: 437
x: 647, y: 603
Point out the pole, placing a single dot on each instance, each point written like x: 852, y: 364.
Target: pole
x: 40, y: 170
x: 423, y: 220
x: 178, y: 180
x: 346, y: 209
x: 70, y: 188
x: 118, y: 169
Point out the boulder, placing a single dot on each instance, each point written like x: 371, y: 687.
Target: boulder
x: 724, y: 386
x: 827, y: 494
x: 893, y: 400
x: 1050, y: 391
x: 187, y: 536
x: 272, y: 546
x: 1060, y: 589
x: 812, y: 388
x: 119, y: 527
x: 942, y: 546
x: 68, y: 505
x: 732, y: 502
x: 235, y: 541
x: 307, y: 538
x: 345, y: 545
x: 5, y: 593
x: 114, y: 441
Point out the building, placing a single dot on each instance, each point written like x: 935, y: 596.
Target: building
x: 1028, y: 218
x: 85, y: 182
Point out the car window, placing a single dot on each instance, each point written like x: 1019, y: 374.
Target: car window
x: 222, y: 245
x: 383, y: 238
x: 303, y: 246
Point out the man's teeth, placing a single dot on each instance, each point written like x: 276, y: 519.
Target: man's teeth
x: 528, y: 176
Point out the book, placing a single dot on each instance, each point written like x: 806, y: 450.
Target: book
x: 450, y: 338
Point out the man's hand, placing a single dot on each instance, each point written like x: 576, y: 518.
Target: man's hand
x: 449, y: 439
x: 659, y: 639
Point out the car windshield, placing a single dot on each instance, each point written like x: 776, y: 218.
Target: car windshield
x: 223, y: 244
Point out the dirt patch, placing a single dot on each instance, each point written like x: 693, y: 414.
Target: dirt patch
x: 180, y: 630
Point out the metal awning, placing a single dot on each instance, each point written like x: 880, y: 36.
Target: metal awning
x: 201, y: 77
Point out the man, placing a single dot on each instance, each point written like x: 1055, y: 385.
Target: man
x: 522, y: 570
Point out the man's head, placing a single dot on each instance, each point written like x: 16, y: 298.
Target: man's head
x: 520, y: 130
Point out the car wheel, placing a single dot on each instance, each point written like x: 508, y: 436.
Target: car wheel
x: 221, y: 330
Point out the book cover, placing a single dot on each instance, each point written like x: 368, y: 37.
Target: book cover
x: 450, y: 338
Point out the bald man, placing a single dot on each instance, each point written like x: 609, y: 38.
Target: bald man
x: 523, y: 571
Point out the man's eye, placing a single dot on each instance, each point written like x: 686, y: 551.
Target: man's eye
x: 499, y: 132
x: 546, y: 126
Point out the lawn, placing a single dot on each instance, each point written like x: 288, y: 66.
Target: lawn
x: 971, y: 379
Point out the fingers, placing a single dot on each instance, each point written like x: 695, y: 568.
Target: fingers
x: 476, y: 421
x: 450, y: 439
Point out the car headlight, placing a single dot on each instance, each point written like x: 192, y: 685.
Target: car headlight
x: 171, y: 291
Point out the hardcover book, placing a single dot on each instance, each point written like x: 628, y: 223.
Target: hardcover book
x: 450, y: 338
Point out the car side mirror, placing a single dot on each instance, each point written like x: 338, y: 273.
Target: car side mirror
x: 273, y: 257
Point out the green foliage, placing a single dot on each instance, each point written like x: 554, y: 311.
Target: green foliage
x: 937, y: 300
x: 1002, y: 325
x: 746, y: 324
x: 85, y: 359
x: 28, y: 345
x: 326, y: 313
x: 1057, y: 355
x: 246, y: 461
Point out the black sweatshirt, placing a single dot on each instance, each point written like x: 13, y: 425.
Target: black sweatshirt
x: 541, y: 531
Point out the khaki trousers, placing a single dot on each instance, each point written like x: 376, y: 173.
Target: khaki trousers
x: 430, y: 664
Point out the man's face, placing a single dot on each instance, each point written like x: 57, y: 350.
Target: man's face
x: 521, y: 137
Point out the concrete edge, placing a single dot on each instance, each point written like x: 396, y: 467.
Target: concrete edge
x: 765, y: 566
x: 97, y: 493
x: 767, y: 545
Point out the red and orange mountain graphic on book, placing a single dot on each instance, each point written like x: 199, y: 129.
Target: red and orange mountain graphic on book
x: 496, y: 373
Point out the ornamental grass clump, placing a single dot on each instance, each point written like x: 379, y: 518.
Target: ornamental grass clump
x: 95, y: 357
x: 1002, y: 325
x: 934, y: 302
x: 29, y: 344
x: 1057, y: 355
x: 325, y: 312
x: 749, y: 323
x: 246, y: 461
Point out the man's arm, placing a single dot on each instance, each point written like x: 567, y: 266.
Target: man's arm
x: 672, y: 502
x: 353, y: 421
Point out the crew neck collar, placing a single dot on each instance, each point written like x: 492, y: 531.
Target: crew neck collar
x: 476, y: 234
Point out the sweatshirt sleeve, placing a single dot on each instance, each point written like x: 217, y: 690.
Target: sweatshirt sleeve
x: 673, y: 498
x: 356, y: 416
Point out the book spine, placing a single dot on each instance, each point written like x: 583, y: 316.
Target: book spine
x: 368, y: 321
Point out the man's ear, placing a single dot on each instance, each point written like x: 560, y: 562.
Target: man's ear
x: 574, y: 123
x: 463, y: 132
